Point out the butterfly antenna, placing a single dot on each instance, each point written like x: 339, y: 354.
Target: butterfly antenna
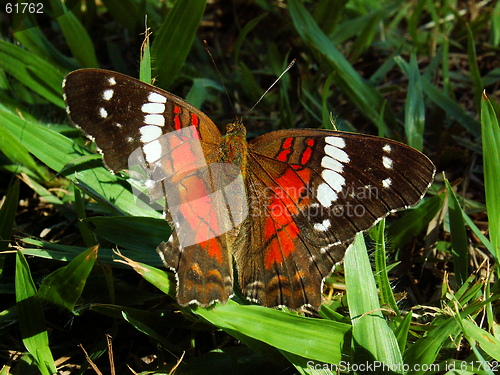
x: 270, y: 87
x: 220, y: 77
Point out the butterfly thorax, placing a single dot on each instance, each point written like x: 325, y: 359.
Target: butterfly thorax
x: 234, y: 145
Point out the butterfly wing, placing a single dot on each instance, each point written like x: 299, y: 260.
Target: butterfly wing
x: 312, y: 192
x: 123, y: 114
x: 176, y: 142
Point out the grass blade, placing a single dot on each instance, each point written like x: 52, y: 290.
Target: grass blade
x: 381, y: 272
x: 491, y: 160
x: 8, y: 211
x: 414, y: 107
x: 32, y: 71
x: 31, y: 319
x: 59, y: 151
x: 475, y: 76
x: 173, y: 40
x: 460, y: 251
x: 372, y: 338
x: 366, y: 98
x: 414, y: 221
x: 77, y: 38
x: 65, y: 285
x: 446, y: 103
x: 318, y: 339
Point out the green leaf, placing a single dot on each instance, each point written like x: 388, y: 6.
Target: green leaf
x: 414, y: 221
x: 459, y: 240
x: 426, y: 349
x: 64, y: 286
x: 32, y: 71
x: 126, y: 12
x: 31, y: 319
x: 173, y: 41
x: 59, y: 151
x: 134, y: 233
x: 447, y: 104
x: 328, y: 13
x: 381, y: 271
x: 160, y: 279
x: 477, y: 82
x: 87, y: 235
x: 8, y: 210
x: 145, y: 66
x: 487, y: 342
x: 316, y: 339
x: 369, y: 101
x: 414, y: 107
x: 495, y: 25
x: 373, y: 340
x: 76, y: 36
x: 491, y: 160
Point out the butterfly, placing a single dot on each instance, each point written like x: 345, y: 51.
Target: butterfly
x: 280, y: 210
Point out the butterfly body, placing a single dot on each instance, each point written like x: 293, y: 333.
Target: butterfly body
x: 283, y: 207
x: 234, y: 147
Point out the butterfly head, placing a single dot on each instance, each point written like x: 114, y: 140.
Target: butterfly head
x: 236, y: 129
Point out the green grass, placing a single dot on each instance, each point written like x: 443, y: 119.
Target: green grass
x: 426, y: 293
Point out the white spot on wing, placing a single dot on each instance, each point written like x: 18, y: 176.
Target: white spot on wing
x: 153, y: 108
x: 323, y: 227
x: 149, y: 133
x: 154, y: 120
x: 387, y: 148
x: 118, y: 125
x: 152, y: 150
x: 335, y: 141
x: 387, y: 182
x: 336, y: 153
x: 111, y: 81
x: 334, y: 179
x: 326, y: 195
x: 107, y: 94
x: 387, y: 162
x: 157, y: 98
x: 330, y: 163
x: 103, y: 113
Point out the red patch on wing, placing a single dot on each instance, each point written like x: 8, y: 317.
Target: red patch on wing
x: 199, y: 211
x: 214, y: 248
x: 195, y: 120
x: 306, y: 155
x: 177, y: 119
x: 280, y: 230
x: 285, y: 149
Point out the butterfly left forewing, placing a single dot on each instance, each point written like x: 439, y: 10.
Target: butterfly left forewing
x: 176, y: 144
x: 123, y: 114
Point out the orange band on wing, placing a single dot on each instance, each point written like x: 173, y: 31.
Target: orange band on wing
x: 280, y: 230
